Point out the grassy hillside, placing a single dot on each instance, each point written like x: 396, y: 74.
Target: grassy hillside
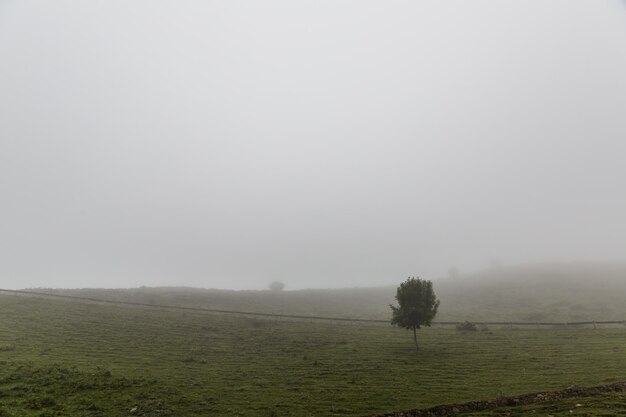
x: 553, y: 292
x: 557, y: 292
x: 64, y: 358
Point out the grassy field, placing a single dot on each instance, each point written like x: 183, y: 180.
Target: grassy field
x: 62, y: 358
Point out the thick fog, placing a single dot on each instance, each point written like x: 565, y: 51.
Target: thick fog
x: 322, y: 143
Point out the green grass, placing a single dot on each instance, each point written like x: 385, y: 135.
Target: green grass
x: 74, y: 359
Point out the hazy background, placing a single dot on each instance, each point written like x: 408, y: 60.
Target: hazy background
x: 323, y: 143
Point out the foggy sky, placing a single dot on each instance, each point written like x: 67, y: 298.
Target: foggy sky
x: 323, y: 143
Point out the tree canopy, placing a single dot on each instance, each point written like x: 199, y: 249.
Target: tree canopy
x: 417, y: 305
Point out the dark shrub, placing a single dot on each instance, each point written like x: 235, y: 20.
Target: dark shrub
x: 466, y: 327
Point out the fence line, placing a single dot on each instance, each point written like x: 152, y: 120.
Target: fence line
x: 303, y: 317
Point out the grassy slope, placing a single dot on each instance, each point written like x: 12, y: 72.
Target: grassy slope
x: 74, y: 359
x: 556, y: 292
x: 565, y: 292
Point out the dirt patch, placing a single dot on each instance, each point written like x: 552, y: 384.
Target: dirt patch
x: 538, y: 397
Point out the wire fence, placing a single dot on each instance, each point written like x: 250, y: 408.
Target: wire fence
x: 317, y: 318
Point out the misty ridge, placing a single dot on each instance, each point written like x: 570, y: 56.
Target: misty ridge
x: 528, y: 293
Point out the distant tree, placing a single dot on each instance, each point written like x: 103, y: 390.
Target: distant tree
x: 495, y: 263
x: 453, y: 273
x: 417, y: 305
x: 276, y: 286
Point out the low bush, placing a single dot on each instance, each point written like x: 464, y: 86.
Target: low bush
x: 466, y: 326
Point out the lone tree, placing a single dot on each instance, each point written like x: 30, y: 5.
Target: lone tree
x: 276, y: 286
x: 417, y: 305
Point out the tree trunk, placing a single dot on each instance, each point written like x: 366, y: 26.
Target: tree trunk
x: 415, y: 336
